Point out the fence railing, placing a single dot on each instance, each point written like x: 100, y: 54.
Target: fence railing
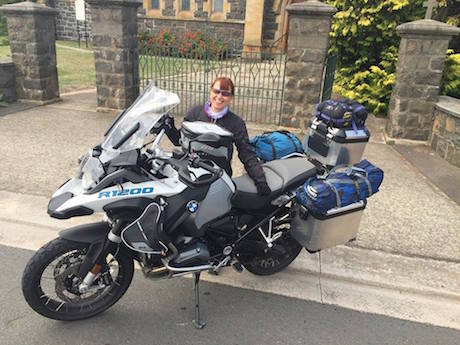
x: 258, y: 77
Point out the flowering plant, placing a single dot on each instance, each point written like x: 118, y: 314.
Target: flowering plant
x: 190, y: 44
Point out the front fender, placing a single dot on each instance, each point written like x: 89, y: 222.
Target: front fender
x: 87, y: 233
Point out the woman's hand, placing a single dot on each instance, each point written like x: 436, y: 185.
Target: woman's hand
x: 263, y: 189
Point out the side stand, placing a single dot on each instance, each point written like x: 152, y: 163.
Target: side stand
x: 197, y: 322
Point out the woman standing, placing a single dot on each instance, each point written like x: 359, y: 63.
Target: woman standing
x: 216, y: 110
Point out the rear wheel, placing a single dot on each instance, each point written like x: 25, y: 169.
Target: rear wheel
x: 50, y: 283
x: 275, y: 259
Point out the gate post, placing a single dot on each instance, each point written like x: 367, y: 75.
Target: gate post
x: 33, y: 50
x: 422, y: 53
x: 114, y: 30
x: 308, y: 42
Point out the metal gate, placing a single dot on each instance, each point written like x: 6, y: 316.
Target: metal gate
x: 328, y: 80
x: 189, y: 71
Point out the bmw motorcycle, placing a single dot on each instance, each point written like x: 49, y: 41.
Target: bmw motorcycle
x: 174, y: 213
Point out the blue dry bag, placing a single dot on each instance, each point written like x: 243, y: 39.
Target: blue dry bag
x: 275, y: 145
x: 341, y: 187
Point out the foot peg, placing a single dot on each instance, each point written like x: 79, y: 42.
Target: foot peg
x: 237, y: 267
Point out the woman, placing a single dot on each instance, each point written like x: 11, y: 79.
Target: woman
x: 216, y: 110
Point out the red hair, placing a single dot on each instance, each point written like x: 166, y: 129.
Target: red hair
x: 225, y: 84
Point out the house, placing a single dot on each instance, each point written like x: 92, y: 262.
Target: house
x: 250, y: 24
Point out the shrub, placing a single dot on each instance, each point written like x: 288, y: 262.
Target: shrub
x: 364, y: 37
x: 451, y: 76
x: 371, y: 87
x: 190, y: 44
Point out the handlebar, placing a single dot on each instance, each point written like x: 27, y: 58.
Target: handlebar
x: 181, y: 166
x: 197, y: 162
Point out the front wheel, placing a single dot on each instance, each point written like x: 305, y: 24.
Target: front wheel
x: 50, y: 282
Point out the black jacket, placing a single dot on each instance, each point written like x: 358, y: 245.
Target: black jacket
x: 234, y: 124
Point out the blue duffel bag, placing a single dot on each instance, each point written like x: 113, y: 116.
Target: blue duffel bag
x: 342, y: 186
x: 275, y: 145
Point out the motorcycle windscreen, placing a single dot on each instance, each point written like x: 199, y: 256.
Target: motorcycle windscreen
x: 146, y: 233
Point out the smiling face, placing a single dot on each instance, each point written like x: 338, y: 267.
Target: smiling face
x: 219, y: 100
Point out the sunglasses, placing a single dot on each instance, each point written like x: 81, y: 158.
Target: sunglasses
x: 222, y: 92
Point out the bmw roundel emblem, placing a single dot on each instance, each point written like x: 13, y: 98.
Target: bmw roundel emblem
x: 192, y: 206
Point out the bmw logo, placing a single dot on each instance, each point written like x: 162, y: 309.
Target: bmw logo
x: 192, y: 206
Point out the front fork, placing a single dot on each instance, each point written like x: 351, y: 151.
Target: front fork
x: 95, y: 259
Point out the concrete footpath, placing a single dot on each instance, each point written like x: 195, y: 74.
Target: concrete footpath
x: 405, y: 262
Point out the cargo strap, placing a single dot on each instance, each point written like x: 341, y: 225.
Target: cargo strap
x: 338, y: 202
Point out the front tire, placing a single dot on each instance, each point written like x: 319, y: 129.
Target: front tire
x: 50, y: 284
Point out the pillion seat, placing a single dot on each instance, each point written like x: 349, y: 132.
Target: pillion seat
x: 282, y: 175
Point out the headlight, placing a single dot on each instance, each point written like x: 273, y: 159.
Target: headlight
x: 87, y: 181
x: 92, y: 171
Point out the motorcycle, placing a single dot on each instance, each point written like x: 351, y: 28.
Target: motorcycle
x: 174, y: 213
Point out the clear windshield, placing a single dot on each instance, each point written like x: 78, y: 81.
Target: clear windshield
x: 137, y: 121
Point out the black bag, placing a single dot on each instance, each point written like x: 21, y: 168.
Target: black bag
x: 146, y: 234
x: 342, y: 113
x: 275, y: 145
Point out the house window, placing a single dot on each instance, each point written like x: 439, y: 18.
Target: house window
x: 185, y: 5
x: 217, y: 6
x: 155, y: 4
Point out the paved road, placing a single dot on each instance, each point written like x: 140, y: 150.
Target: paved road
x: 160, y: 313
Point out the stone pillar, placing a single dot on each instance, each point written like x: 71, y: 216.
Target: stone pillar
x: 308, y: 42
x: 33, y: 50
x: 422, y: 53
x: 114, y: 30
x: 253, y: 25
x: 7, y: 80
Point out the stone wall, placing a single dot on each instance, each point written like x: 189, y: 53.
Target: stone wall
x: 308, y: 42
x: 7, y: 80
x: 237, y: 9
x: 66, y: 23
x: 229, y: 32
x: 114, y: 39
x: 31, y: 31
x: 445, y: 137
x: 421, y: 57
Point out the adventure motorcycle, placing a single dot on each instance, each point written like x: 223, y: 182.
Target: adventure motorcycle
x: 174, y: 213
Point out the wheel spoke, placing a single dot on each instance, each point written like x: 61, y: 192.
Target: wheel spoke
x: 60, y: 305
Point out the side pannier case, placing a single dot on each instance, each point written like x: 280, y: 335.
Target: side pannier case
x: 317, y: 231
x: 335, y: 146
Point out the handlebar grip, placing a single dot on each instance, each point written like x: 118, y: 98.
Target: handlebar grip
x: 199, y: 163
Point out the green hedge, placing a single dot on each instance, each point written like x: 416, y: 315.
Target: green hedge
x: 364, y: 37
x: 451, y: 77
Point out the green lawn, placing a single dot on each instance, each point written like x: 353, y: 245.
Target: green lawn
x: 4, y: 49
x: 75, y: 65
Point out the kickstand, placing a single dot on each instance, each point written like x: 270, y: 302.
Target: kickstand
x: 197, y: 322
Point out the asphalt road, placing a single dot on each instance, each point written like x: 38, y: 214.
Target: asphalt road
x: 160, y: 313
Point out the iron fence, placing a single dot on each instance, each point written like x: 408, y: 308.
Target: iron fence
x: 259, y: 77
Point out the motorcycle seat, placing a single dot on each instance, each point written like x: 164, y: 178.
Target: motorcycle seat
x: 282, y: 175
